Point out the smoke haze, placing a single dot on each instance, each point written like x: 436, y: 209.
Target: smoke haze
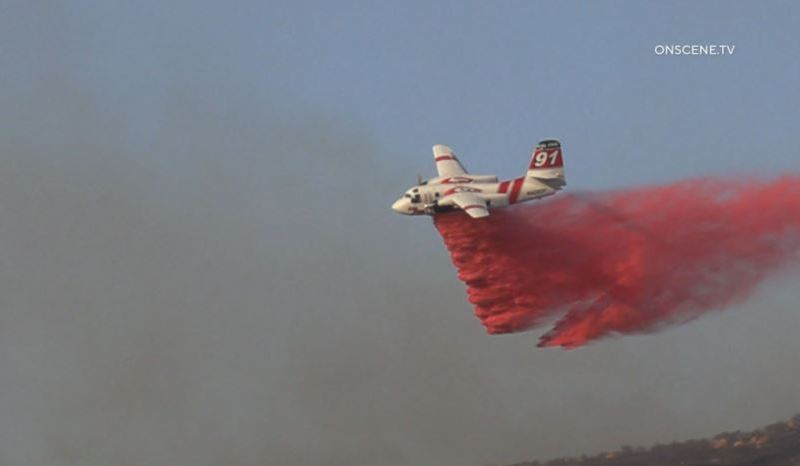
x: 199, y: 265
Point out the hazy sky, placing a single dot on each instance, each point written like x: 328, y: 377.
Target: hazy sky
x: 199, y: 266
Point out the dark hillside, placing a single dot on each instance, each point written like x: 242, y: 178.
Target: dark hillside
x: 774, y: 445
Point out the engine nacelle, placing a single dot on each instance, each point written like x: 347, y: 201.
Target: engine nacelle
x: 484, y: 178
x: 463, y: 179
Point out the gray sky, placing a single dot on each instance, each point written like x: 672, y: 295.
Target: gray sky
x: 198, y: 263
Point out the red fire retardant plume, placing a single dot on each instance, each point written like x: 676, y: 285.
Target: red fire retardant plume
x: 623, y: 262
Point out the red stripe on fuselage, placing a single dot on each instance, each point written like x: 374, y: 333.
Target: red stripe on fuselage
x: 444, y: 157
x: 515, y: 190
x: 503, y: 188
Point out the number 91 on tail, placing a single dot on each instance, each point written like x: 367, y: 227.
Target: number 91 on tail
x: 454, y: 188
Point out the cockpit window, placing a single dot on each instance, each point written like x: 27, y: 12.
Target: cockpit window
x: 415, y: 199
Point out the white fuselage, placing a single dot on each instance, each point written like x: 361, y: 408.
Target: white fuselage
x: 424, y: 198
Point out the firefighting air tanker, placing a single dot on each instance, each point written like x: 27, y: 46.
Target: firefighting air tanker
x: 454, y: 188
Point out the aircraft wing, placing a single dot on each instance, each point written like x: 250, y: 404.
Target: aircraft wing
x: 470, y: 203
x: 447, y: 163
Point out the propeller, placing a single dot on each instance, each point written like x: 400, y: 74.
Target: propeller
x: 419, y: 179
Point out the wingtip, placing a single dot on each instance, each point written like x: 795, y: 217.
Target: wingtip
x: 441, y: 149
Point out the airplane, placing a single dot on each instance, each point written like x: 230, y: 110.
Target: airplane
x: 455, y: 188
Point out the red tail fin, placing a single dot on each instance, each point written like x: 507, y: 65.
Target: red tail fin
x: 547, y: 164
x: 547, y: 155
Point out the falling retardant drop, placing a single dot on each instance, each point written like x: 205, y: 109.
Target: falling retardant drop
x: 623, y: 262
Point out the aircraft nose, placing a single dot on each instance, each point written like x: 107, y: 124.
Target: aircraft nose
x: 400, y: 206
